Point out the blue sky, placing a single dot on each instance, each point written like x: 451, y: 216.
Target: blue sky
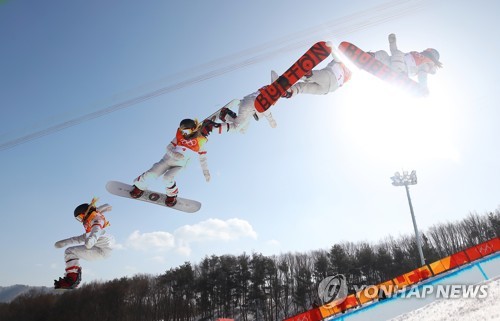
x: 319, y: 178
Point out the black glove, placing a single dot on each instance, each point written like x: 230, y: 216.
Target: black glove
x: 207, y: 126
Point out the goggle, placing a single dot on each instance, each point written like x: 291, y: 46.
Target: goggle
x: 82, y: 216
x: 187, y: 131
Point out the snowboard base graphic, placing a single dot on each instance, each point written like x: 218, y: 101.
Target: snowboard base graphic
x: 269, y: 95
x: 123, y: 190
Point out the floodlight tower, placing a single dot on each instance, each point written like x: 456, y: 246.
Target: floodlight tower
x: 405, y: 180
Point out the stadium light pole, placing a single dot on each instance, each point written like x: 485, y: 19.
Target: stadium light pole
x: 405, y: 180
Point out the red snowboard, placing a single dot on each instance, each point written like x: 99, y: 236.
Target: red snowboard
x: 367, y: 62
x: 270, y: 94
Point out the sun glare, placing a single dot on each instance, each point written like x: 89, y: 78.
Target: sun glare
x: 387, y: 124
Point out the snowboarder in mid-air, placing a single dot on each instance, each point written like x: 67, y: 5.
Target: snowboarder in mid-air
x: 257, y: 104
x: 246, y: 111
x: 94, y: 244
x: 321, y: 81
x: 191, y: 136
x: 412, y: 64
x: 229, y: 121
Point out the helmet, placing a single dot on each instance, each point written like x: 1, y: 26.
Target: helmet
x: 432, y: 54
x: 81, y: 209
x: 188, y: 127
x: 188, y: 124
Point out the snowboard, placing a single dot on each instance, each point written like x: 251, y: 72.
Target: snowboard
x: 183, y: 204
x: 269, y: 95
x: 380, y: 70
x: 233, y: 105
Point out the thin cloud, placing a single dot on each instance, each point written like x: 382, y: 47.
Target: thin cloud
x: 147, y: 241
x: 116, y: 246
x: 212, y: 230
x: 182, y: 238
x: 216, y: 229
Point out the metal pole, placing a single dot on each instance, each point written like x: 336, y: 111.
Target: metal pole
x: 417, y: 234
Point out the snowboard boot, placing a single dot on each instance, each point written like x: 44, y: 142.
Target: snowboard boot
x: 287, y: 94
x: 171, y: 200
x: 292, y: 91
x: 136, y: 192
x: 172, y: 192
x: 226, y: 111
x: 69, y: 281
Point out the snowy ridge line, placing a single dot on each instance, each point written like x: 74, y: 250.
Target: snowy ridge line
x: 420, y: 276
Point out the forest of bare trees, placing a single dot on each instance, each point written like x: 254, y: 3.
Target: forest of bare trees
x: 249, y: 286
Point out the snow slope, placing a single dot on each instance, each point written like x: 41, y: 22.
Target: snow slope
x: 460, y: 309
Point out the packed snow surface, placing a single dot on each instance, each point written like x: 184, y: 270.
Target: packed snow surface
x: 466, y: 309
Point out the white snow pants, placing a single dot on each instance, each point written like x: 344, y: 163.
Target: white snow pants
x: 73, y: 254
x: 168, y: 166
x: 246, y: 110
x: 396, y: 61
x: 321, y: 82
